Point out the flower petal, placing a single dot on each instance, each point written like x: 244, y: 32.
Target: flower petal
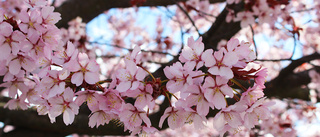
x: 77, y: 78
x: 14, y: 66
x: 68, y: 116
x: 5, y: 51
x: 219, y: 100
x: 91, y: 77
x: 124, y: 86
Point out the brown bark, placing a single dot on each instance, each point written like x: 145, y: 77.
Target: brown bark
x: 289, y: 84
x: 88, y: 9
x: 30, y: 120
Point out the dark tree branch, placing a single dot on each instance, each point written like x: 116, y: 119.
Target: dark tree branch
x: 254, y: 42
x: 289, y: 87
x: 188, y: 16
x: 88, y: 9
x: 220, y: 29
x: 294, y: 64
x: 22, y: 132
x: 130, y: 49
x: 288, y: 84
x: 29, y: 119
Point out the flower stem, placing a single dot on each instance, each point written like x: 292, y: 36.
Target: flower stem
x: 167, y: 95
x: 236, y: 97
x: 147, y: 72
x: 200, y: 75
x: 173, y: 95
x: 99, y: 85
x: 238, y: 84
x: 105, y: 81
x: 164, y: 81
x: 236, y: 91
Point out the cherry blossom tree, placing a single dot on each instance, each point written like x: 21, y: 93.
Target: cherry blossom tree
x: 207, y: 64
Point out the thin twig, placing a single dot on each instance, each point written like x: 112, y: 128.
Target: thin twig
x: 155, y: 62
x: 117, y: 46
x: 168, y: 11
x: 114, y: 68
x: 273, y: 60
x: 117, y: 56
x: 254, y: 42
x: 201, y: 12
x: 186, y: 13
x: 302, y: 10
x: 171, y: 15
x: 294, y: 45
x: 206, y: 18
x: 207, y: 14
x: 111, y: 56
x: 182, y: 34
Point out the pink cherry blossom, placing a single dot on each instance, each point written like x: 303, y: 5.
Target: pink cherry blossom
x: 193, y: 52
x: 134, y: 56
x: 246, y: 18
x: 130, y: 78
x: 132, y: 117
x: 242, y: 50
x: 175, y: 117
x: 265, y: 16
x: 230, y: 117
x: 258, y: 110
x: 48, y: 16
x: 35, y: 3
x: 315, y: 79
x: 221, y: 63
x: 260, y: 77
x: 16, y: 103
x: 1, y: 15
x: 31, y: 95
x: 65, y: 57
x: 51, y: 37
x: 111, y: 101
x: 10, y: 40
x: 84, y: 69
x: 91, y: 97
x: 63, y: 104
x: 30, y: 23
x: 180, y: 77
x: 252, y: 94
x: 143, y: 96
x: 197, y: 98
x: 143, y: 130
x: 53, y: 84
x: 15, y: 83
x: 231, y: 15
x: 100, y: 117
x: 195, y: 118
x: 216, y: 90
x: 21, y: 61
x: 41, y: 67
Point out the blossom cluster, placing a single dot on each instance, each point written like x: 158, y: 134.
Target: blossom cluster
x: 42, y: 70
x: 266, y: 11
x: 201, y: 91
x: 38, y: 68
